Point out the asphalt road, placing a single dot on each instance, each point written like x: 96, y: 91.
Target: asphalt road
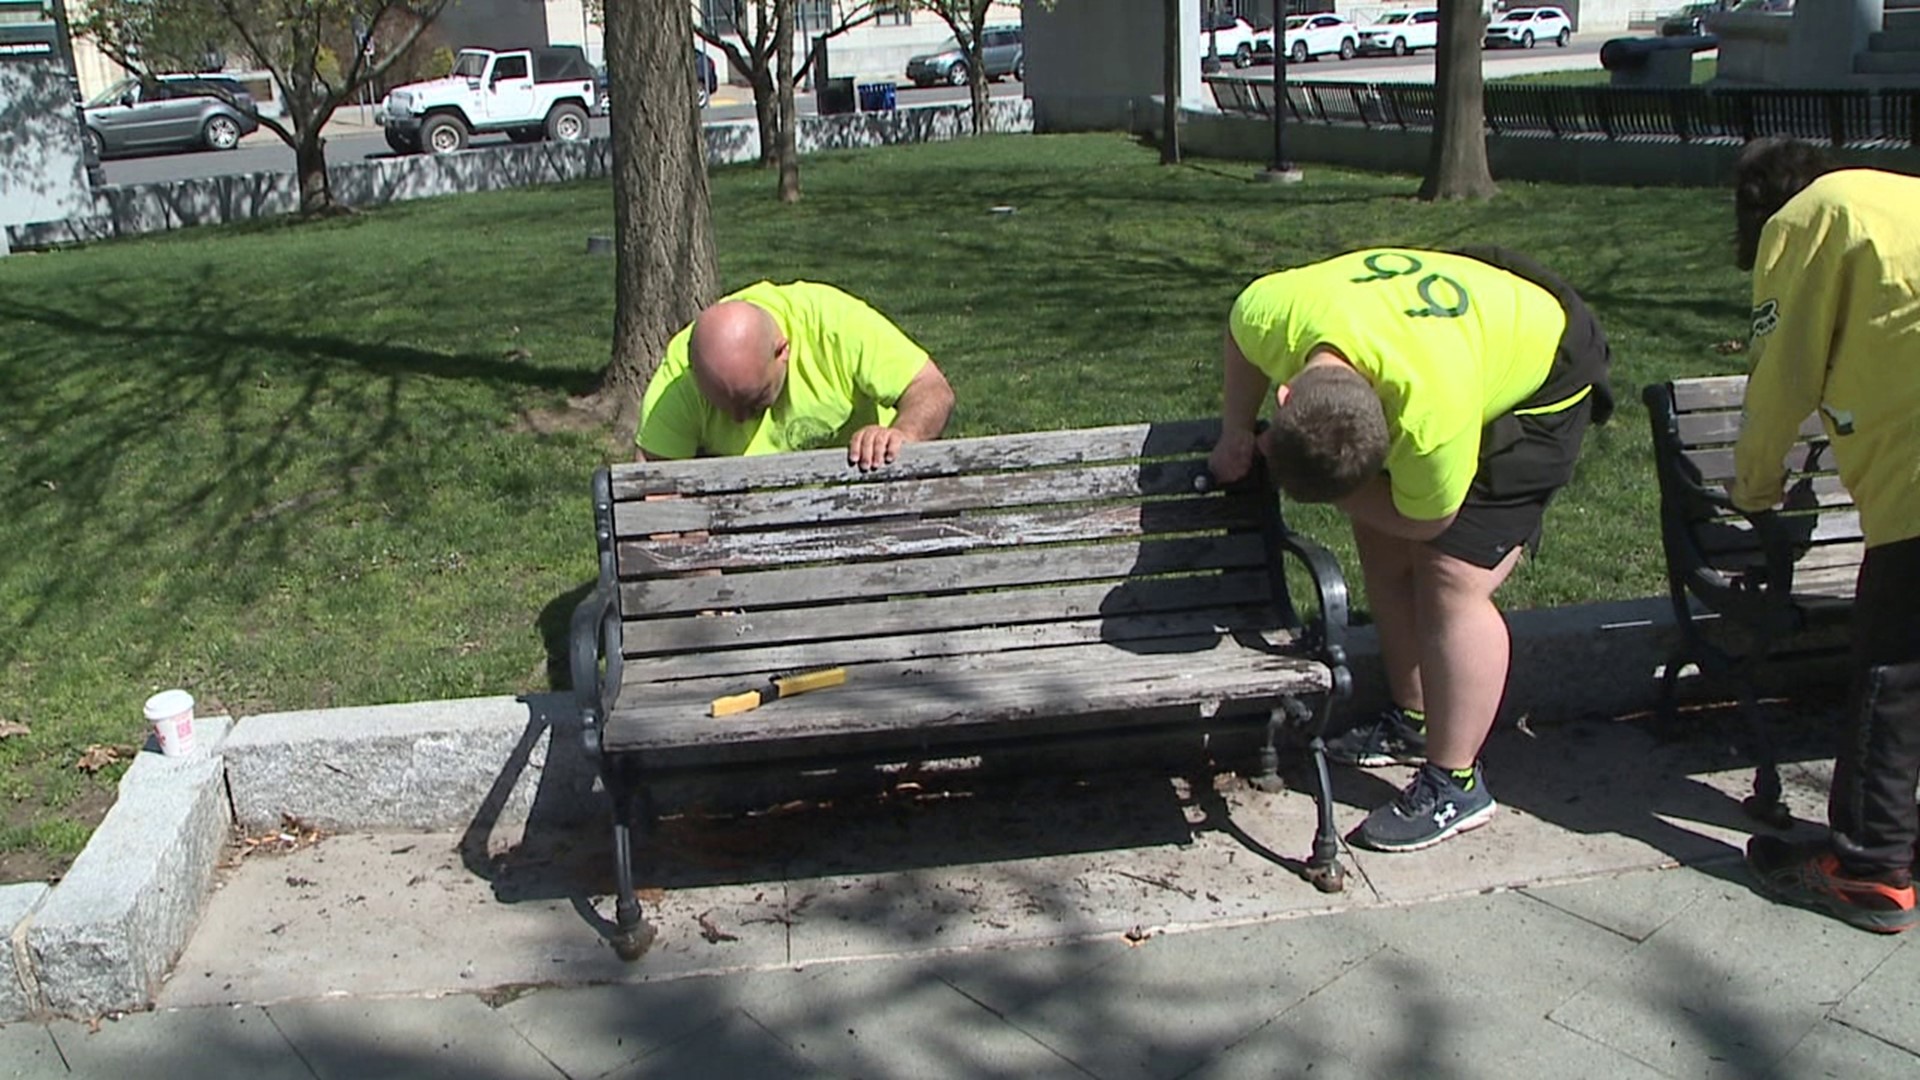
x: 355, y: 139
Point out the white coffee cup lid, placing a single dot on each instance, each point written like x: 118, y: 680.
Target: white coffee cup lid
x: 168, y: 703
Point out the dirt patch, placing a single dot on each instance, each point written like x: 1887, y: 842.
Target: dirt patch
x: 33, y: 864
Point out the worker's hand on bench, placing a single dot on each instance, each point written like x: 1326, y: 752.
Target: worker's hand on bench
x: 874, y: 446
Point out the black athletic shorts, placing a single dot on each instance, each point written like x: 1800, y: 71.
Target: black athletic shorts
x: 1526, y: 456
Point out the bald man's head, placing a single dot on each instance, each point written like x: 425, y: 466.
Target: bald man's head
x: 738, y: 358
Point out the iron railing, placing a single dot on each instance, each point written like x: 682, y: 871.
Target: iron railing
x: 1841, y: 117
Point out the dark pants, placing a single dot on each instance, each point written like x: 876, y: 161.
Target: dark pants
x: 1877, y: 765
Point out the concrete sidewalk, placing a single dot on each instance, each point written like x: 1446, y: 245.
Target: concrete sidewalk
x: 1122, y: 925
x: 1682, y: 972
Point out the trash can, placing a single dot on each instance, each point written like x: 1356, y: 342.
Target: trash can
x: 834, y: 96
x: 877, y: 97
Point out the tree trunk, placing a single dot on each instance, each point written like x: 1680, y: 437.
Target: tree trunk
x: 663, y: 226
x: 310, y: 165
x: 977, y: 83
x: 1170, y: 86
x: 1457, y: 162
x: 766, y: 113
x: 789, y: 190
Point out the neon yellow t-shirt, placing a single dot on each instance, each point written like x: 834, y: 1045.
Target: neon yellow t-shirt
x: 1836, y: 328
x: 1449, y: 342
x: 846, y: 368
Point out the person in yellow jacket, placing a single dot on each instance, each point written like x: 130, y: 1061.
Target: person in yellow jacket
x: 1835, y: 256
x: 802, y: 366
x: 1439, y: 399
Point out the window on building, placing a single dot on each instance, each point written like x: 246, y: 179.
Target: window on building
x: 893, y: 13
x: 716, y: 16
x: 816, y: 16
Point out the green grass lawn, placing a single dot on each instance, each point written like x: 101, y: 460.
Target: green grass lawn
x: 1703, y: 70
x: 288, y: 466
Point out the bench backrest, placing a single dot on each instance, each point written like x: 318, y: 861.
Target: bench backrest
x: 961, y: 547
x: 1695, y: 424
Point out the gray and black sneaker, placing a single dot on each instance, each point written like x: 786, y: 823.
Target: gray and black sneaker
x: 1433, y: 807
x: 1391, y: 738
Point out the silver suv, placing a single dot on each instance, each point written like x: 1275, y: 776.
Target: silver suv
x: 171, y: 112
x: 1002, y: 53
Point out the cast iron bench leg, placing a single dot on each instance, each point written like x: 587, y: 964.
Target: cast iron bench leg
x: 632, y: 935
x: 1764, y: 804
x: 1323, y: 866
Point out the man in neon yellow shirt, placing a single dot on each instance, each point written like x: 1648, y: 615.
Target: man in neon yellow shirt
x: 1835, y: 257
x: 804, y: 366
x: 1439, y: 399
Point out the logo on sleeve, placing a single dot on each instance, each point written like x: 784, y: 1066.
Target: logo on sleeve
x: 1766, y: 318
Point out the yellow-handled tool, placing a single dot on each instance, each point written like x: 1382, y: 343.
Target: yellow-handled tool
x: 784, y: 686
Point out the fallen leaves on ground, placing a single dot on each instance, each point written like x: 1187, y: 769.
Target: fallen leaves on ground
x: 1137, y: 937
x: 1730, y: 346
x: 9, y: 728
x: 292, y: 835
x: 711, y: 932
x: 97, y: 757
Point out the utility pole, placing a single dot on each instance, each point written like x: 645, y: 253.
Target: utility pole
x: 1282, y: 170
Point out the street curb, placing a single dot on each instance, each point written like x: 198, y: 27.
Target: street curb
x: 106, y: 936
x: 419, y: 765
x: 18, y: 993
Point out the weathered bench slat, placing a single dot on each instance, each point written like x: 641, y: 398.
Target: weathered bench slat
x: 851, y: 502
x: 1184, y: 626
x: 986, y: 569
x: 1708, y: 392
x: 941, y: 535
x: 1721, y: 428
x: 998, y: 453
x: 1717, y: 464
x: 1806, y: 491
x: 994, y: 689
x: 1830, y: 526
x: 947, y: 612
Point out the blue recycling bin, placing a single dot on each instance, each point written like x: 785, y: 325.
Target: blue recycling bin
x: 877, y: 97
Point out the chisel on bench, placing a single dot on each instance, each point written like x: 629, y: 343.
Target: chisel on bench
x: 784, y: 686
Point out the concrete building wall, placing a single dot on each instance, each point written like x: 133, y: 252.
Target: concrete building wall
x: 1091, y: 64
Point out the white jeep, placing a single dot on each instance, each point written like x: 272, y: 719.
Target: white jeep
x: 529, y: 94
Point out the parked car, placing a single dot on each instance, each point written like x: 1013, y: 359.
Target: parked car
x: 1312, y: 36
x: 1002, y: 53
x: 529, y: 94
x: 1689, y: 21
x: 170, y: 112
x: 1765, y: 7
x: 1402, y: 32
x: 706, y: 81
x: 1525, y: 27
x: 1230, y: 38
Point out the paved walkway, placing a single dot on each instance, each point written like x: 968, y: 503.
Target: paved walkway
x: 1681, y: 972
x: 1601, y: 926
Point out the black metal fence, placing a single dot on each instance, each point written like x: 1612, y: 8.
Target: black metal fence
x: 1842, y: 117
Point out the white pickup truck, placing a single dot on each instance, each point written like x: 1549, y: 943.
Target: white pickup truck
x: 529, y: 94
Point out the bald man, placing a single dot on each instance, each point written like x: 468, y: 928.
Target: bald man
x: 804, y: 366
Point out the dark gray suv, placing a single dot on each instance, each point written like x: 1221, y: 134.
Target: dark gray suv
x: 172, y: 112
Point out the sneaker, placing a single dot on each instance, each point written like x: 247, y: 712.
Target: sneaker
x: 1810, y: 876
x: 1432, y: 808
x: 1389, y: 739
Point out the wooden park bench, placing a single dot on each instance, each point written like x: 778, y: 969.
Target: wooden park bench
x: 1748, y: 589
x: 979, y: 595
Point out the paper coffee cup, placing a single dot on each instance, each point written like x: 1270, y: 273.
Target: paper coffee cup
x: 171, y: 714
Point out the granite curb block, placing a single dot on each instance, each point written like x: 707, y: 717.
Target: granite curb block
x: 105, y: 937
x: 419, y: 765
x: 448, y: 764
x: 17, y: 990
x: 136, y: 209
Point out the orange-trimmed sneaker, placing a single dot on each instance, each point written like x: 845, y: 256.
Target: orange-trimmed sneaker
x: 1810, y: 876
